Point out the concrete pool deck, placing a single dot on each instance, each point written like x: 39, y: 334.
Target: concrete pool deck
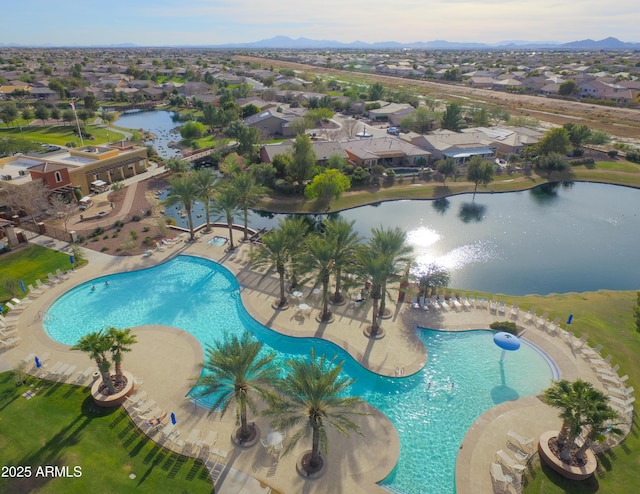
x: 167, y: 360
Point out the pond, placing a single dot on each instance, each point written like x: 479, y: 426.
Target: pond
x: 160, y: 123
x: 551, y: 239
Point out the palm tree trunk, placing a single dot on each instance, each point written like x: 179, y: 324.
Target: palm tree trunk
x: 246, y: 223
x: 207, y: 215
x: 326, y: 314
x: 103, y: 365
x: 283, y: 298
x: 374, y: 321
x: 314, y: 461
x: 383, y: 298
x: 244, y: 428
x: 190, y: 218
x: 337, y: 296
x: 230, y: 224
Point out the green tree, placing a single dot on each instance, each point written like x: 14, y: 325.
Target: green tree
x: 236, y: 370
x: 479, y: 171
x: 109, y: 117
x: 210, y: 115
x: 27, y: 114
x: 98, y: 345
x: 446, y: 167
x: 326, y: 186
x: 372, y: 267
x: 192, y: 130
x: 121, y: 341
x: 295, y: 229
x: 207, y: 183
x: 479, y: 117
x: 452, y: 117
x: 552, y: 162
x: 185, y: 190
x: 175, y: 165
x: 582, y: 409
x: 304, y: 158
x: 431, y: 278
x: 376, y: 91
x: 248, y: 192
x: 68, y: 116
x: 91, y: 102
x: 248, y: 138
x: 226, y: 203
x: 423, y: 120
x: 42, y: 113
x: 579, y: 134
x: 568, y: 88
x: 346, y: 240
x: 8, y: 112
x: 336, y: 162
x: 314, y: 394
x: 555, y: 140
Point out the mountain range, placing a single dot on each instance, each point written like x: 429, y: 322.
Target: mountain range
x: 285, y: 42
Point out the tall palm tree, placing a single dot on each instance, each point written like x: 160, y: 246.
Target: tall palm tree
x: 98, y: 345
x: 295, y: 229
x: 184, y: 190
x: 391, y: 243
x: 313, y: 396
x: 346, y: 240
x: 319, y: 258
x: 272, y: 253
x: 372, y: 267
x: 248, y: 192
x: 207, y: 181
x: 225, y: 202
x: 236, y: 370
x: 582, y: 408
x: 121, y: 341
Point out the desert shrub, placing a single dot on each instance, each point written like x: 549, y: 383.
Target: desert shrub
x: 133, y: 235
x: 105, y: 237
x: 119, y: 224
x: 104, y: 249
x: 135, y: 217
x: 148, y: 212
x: 115, y: 235
x: 146, y: 229
x: 148, y: 240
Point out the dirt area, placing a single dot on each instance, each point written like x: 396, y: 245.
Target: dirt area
x: 119, y: 240
x: 623, y: 123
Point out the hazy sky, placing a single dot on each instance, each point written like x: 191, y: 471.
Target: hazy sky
x: 176, y: 22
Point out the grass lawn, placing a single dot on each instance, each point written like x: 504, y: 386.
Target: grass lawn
x: 62, y: 134
x: 61, y: 427
x: 29, y: 264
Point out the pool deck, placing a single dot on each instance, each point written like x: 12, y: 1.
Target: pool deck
x: 167, y: 360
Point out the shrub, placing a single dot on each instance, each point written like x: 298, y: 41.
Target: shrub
x: 506, y: 326
x: 105, y: 237
x: 133, y: 235
x: 135, y: 217
x: 612, y: 154
x: 148, y: 240
x: 115, y: 235
x: 119, y: 224
x: 97, y: 232
x: 148, y: 212
x: 104, y: 249
x: 146, y: 229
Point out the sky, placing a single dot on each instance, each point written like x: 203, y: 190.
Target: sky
x: 211, y: 22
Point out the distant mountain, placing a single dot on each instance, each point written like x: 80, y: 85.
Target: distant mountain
x: 285, y: 42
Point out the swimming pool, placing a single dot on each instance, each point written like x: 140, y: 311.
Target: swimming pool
x: 430, y: 414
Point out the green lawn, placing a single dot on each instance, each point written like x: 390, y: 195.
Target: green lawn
x: 59, y: 426
x: 29, y: 264
x: 61, y: 134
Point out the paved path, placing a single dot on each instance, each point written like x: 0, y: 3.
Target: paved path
x: 167, y: 360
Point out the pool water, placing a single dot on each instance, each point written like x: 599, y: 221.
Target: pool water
x: 218, y: 240
x: 431, y: 410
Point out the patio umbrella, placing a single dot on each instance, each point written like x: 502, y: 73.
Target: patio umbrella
x: 173, y: 418
x: 38, y: 363
x: 22, y: 286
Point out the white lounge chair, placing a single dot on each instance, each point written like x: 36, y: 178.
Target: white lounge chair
x: 14, y: 308
x: 42, y: 286
x: 456, y: 304
x: 53, y: 279
x: 443, y: 303
x: 578, y: 343
x: 502, y: 308
x: 466, y: 304
x: 589, y: 352
x: 10, y: 342
x: 144, y: 407
x: 514, y: 312
x: 192, y: 442
x: 6, y: 333
x: 207, y: 444
x: 61, y: 275
x: 520, y: 442
x: 508, y: 462
x: 499, y: 480
x: 528, y: 317
x: 542, y: 320
x: 34, y: 291
x: 84, y: 375
x: 67, y: 373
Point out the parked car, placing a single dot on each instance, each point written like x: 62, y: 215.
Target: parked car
x: 394, y: 131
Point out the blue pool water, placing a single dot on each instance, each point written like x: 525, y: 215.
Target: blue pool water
x: 430, y: 414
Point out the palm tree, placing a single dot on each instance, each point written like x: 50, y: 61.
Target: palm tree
x: 248, y: 192
x: 346, y: 240
x: 432, y: 277
x: 273, y: 253
x: 225, y: 202
x: 314, y: 397
x: 236, y: 370
x: 392, y: 244
x: 207, y: 181
x: 98, y: 345
x: 582, y: 408
x: 319, y: 257
x: 372, y: 267
x: 121, y: 341
x: 184, y: 190
x: 295, y: 228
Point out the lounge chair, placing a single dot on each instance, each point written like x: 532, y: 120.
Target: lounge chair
x: 456, y: 304
x: 145, y: 407
x: 34, y: 291
x: 552, y: 327
x: 622, y: 393
x: 83, y: 375
x: 498, y: 479
x: 528, y: 317
x: 466, y: 304
x: 625, y: 402
x: 215, y: 468
x: 508, y: 462
x: 42, y: 286
x: 520, y: 442
x: 578, y: 343
x: 147, y: 253
x: 47, y: 371
x: 7, y: 333
x: 513, y: 313
x: 10, y: 342
x: 589, y: 352
x: 600, y: 363
x: 156, y: 412
x: 14, y: 308
x: 169, y: 432
x: 493, y: 307
x: 29, y: 359
x: 542, y: 320
x: 207, y: 444
x: 434, y: 304
x: 53, y: 279
x: 192, y: 442
x: 502, y: 308
x: 443, y: 303
x: 61, y: 275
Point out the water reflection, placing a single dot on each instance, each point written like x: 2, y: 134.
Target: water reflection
x: 547, y: 193
x: 471, y: 211
x: 441, y: 205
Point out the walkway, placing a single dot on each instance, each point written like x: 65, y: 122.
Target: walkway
x: 355, y: 464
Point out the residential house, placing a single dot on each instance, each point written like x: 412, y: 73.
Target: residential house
x: 458, y: 145
x: 323, y: 149
x: 386, y: 151
x: 271, y: 122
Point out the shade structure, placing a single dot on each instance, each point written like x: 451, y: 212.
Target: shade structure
x: 506, y: 341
